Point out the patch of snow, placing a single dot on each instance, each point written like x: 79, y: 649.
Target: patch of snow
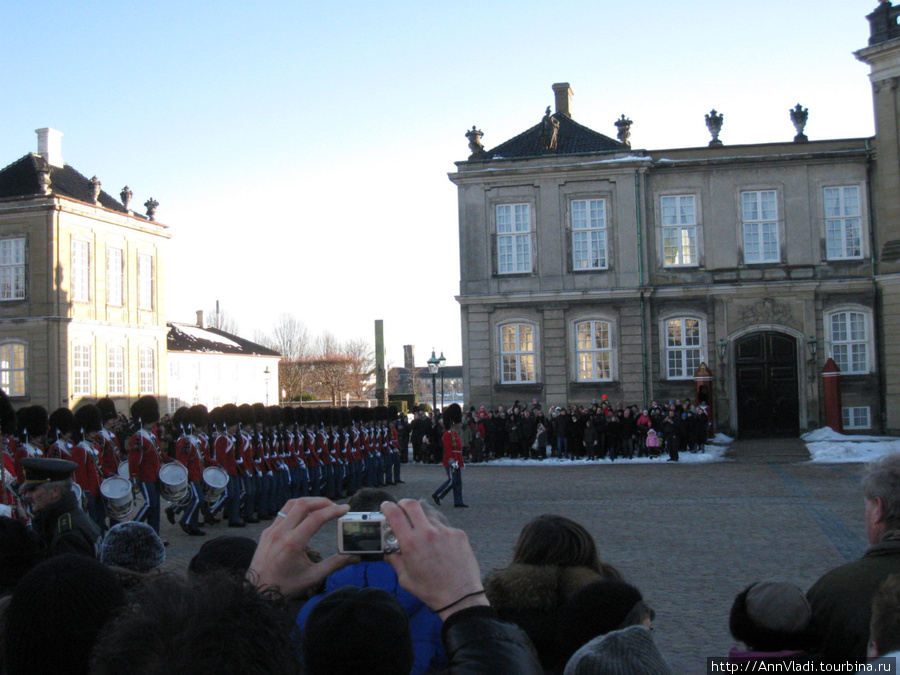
x: 714, y: 453
x: 827, y: 446
x: 201, y: 334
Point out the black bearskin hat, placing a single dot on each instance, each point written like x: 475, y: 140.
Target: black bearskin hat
x: 248, y: 415
x: 393, y: 413
x: 215, y: 417
x: 179, y: 418
x: 230, y: 415
x: 198, y: 415
x: 61, y: 420
x: 300, y: 415
x: 312, y: 416
x: 88, y: 418
x: 453, y: 414
x: 145, y: 409
x: 274, y: 414
x: 7, y: 415
x: 262, y: 416
x: 345, y: 417
x: 287, y: 416
x: 107, y: 409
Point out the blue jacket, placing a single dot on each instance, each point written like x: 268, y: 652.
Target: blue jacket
x: 424, y: 624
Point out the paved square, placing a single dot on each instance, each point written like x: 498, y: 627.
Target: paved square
x: 690, y: 536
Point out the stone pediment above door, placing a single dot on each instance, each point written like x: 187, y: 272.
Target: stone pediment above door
x: 765, y: 310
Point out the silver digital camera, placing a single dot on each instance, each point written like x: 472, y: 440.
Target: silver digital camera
x: 366, y: 532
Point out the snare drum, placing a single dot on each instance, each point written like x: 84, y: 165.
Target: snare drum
x: 116, y: 492
x: 173, y: 483
x: 215, y: 480
x: 76, y: 488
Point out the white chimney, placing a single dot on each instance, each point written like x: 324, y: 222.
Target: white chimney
x: 50, y: 146
x: 564, y: 96
x: 200, y: 323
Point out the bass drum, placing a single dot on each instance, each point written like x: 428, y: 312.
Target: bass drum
x: 173, y: 483
x: 116, y: 492
x: 215, y: 480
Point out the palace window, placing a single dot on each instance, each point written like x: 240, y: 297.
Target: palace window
x: 593, y: 350
x: 513, y: 238
x: 843, y: 233
x: 683, y: 353
x: 679, y: 230
x: 760, y: 222
x: 517, y: 353
x: 850, y: 341
x: 588, y: 223
x: 81, y: 271
x: 12, y: 368
x: 856, y: 417
x: 114, y: 276
x: 82, y: 374
x: 12, y: 269
x: 145, y: 281
x: 115, y: 370
x: 147, y: 370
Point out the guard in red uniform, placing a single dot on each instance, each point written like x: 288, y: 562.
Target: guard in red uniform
x: 453, y: 459
x: 227, y: 456
x: 86, y: 426
x: 144, y: 459
x: 32, y: 423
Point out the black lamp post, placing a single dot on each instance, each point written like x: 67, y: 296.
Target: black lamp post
x: 441, y: 362
x: 267, y: 374
x: 433, y: 364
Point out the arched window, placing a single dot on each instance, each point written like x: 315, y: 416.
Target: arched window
x: 683, y: 340
x: 593, y: 350
x: 147, y: 370
x: 517, y: 353
x: 12, y: 368
x: 850, y: 338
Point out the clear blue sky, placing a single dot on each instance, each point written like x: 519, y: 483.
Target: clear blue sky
x: 299, y: 151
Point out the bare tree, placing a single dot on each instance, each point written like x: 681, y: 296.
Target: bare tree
x: 362, y: 366
x: 290, y: 337
x: 221, y: 319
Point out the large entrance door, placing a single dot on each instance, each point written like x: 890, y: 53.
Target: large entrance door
x: 768, y: 402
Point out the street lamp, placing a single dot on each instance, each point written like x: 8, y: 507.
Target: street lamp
x: 267, y: 374
x: 441, y: 362
x: 433, y: 364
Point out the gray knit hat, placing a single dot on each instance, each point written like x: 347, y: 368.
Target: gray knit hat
x: 629, y: 651
x: 134, y: 546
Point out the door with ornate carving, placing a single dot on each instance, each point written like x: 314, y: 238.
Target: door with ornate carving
x: 768, y: 395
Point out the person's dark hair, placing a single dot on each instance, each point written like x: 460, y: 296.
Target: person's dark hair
x: 884, y: 629
x: 370, y: 499
x: 560, y: 541
x: 223, y: 625
x: 882, y: 481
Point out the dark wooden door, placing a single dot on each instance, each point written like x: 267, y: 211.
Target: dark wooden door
x: 768, y: 398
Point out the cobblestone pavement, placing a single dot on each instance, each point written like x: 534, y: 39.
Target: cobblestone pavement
x: 690, y: 536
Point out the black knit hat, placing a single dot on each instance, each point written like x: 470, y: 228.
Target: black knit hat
x: 56, y: 613
x: 771, y: 616
x: 134, y: 546
x: 358, y: 630
x: 232, y: 554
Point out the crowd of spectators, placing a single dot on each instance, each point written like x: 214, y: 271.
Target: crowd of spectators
x: 602, y: 430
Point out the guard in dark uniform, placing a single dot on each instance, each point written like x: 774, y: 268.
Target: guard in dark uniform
x: 58, y: 517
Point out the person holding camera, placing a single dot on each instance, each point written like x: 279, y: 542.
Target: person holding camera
x: 453, y: 458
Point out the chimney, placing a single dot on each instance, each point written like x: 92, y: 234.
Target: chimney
x: 409, y: 357
x: 200, y: 323
x: 50, y: 146
x: 564, y: 95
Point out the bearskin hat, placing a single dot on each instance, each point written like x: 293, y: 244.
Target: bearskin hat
x: 453, y: 414
x: 145, y: 409
x: 61, y: 420
x: 248, y: 416
x: 198, y: 415
x: 88, y: 418
x: 7, y: 415
x: 345, y: 417
x: 230, y: 415
x: 107, y: 409
x: 179, y: 418
x: 262, y: 416
x: 312, y: 416
x: 274, y: 415
x: 300, y: 415
x: 287, y: 415
x: 215, y: 417
x: 33, y: 421
x: 392, y: 413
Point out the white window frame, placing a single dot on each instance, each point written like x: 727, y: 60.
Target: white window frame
x: 589, y: 358
x: 588, y: 223
x: 518, y: 355
x: 81, y: 270
x: 12, y: 268
x: 683, y: 338
x: 843, y: 222
x: 115, y: 276
x: 145, y: 281
x: 761, y: 233
x: 851, y: 349
x: 14, y: 368
x: 856, y: 417
x: 115, y: 370
x: 679, y: 227
x: 147, y: 370
x: 514, y: 228
x: 82, y: 369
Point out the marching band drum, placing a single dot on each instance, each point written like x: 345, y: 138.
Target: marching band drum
x: 173, y: 483
x: 215, y: 480
x: 119, y: 499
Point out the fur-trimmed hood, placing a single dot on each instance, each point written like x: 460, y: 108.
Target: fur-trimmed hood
x: 536, y: 587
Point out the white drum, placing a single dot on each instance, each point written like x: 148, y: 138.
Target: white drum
x: 173, y: 483
x: 76, y: 488
x: 116, y: 492
x: 215, y: 480
x: 123, y: 470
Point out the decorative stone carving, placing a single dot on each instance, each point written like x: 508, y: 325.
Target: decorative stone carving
x: 151, y: 206
x: 44, y: 179
x: 799, y: 115
x: 474, y: 135
x: 95, y: 190
x: 623, y: 124
x: 549, y: 132
x: 714, y: 124
x: 126, y: 194
x: 766, y: 310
